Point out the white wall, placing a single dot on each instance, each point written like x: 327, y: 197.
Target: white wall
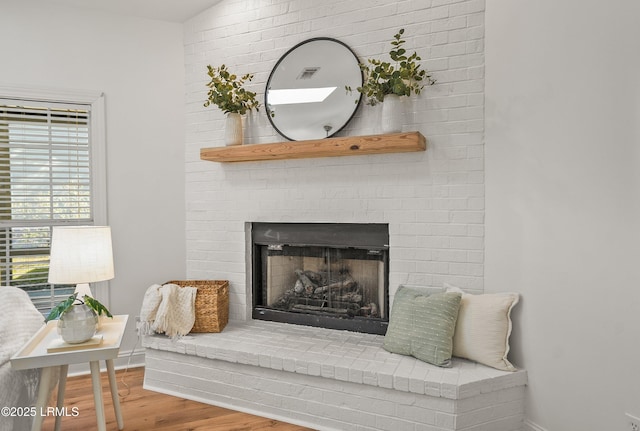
x: 562, y: 127
x: 563, y: 229
x: 139, y: 66
x: 433, y: 201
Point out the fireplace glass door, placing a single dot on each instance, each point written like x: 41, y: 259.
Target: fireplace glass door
x: 335, y: 286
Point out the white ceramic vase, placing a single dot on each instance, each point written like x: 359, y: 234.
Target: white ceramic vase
x: 77, y: 324
x: 392, y: 114
x: 233, y: 129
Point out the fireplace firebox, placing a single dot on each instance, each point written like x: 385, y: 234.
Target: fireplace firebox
x: 332, y: 275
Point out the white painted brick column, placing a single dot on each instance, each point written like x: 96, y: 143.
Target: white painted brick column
x: 432, y: 201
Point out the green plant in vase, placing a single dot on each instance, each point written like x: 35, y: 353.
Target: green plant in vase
x: 78, y: 319
x: 65, y: 305
x: 227, y: 92
x: 385, y: 81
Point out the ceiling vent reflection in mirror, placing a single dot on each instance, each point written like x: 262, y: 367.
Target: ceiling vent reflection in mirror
x: 308, y: 72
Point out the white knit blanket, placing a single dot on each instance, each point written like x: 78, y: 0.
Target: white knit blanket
x: 168, y: 309
x: 19, y: 320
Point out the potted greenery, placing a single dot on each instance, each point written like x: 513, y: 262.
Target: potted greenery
x: 78, y: 319
x: 227, y: 93
x: 387, y: 82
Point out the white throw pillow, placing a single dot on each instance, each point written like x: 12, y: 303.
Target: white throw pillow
x: 483, y: 328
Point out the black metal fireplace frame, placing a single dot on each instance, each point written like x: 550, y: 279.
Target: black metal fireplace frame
x: 373, y: 237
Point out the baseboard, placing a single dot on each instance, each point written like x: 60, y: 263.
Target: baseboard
x: 530, y: 426
x: 130, y: 359
x: 126, y: 359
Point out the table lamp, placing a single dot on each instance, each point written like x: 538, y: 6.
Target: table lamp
x: 80, y: 255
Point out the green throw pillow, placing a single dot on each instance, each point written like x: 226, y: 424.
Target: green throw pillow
x: 422, y: 325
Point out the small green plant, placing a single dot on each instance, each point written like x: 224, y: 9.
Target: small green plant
x: 227, y: 93
x: 63, y: 306
x: 402, y: 78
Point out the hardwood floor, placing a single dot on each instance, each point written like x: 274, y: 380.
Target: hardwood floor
x: 144, y: 410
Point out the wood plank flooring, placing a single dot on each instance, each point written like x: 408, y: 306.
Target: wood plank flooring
x: 144, y: 410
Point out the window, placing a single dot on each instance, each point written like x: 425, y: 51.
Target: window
x: 47, y: 178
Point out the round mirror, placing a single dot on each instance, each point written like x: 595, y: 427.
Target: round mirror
x: 306, y: 96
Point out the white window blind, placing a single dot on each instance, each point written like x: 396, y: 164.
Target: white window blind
x: 45, y: 180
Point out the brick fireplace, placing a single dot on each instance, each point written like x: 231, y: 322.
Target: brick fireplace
x: 432, y: 201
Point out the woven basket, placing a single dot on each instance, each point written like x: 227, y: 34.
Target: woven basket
x: 212, y: 304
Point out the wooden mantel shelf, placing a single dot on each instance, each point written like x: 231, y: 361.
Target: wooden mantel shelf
x: 330, y: 147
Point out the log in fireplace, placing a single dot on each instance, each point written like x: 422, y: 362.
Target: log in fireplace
x: 332, y: 275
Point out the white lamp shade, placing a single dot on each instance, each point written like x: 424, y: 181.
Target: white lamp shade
x: 80, y: 254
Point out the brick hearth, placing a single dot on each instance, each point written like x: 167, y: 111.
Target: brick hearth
x: 332, y: 380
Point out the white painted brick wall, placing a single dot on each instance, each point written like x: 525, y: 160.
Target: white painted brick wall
x: 433, y: 201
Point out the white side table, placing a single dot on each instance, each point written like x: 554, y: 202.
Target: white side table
x: 34, y: 355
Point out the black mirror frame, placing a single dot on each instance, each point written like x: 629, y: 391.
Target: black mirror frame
x: 275, y: 67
